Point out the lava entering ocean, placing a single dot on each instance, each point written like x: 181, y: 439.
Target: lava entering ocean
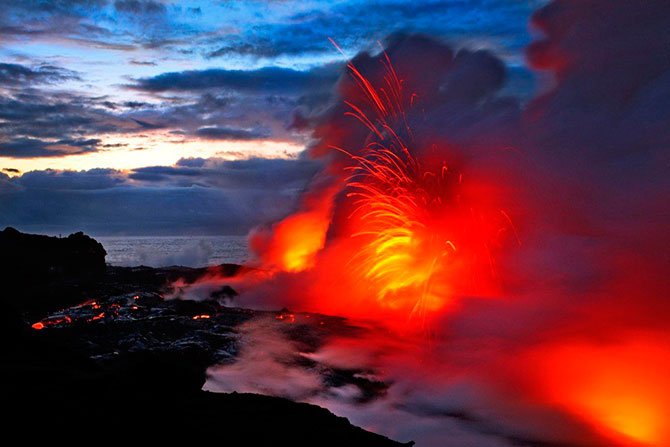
x: 557, y: 334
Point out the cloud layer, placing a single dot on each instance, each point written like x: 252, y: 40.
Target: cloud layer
x: 196, y: 196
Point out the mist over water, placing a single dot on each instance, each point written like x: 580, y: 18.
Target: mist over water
x: 163, y: 251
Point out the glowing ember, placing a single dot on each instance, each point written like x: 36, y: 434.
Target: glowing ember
x: 97, y: 317
x: 201, y: 317
x: 288, y: 318
x: 52, y: 321
x: 82, y: 312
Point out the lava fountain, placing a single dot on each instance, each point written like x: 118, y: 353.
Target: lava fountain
x: 416, y: 233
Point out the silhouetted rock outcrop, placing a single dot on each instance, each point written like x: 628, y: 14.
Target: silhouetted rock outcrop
x: 44, y: 258
x: 42, y: 273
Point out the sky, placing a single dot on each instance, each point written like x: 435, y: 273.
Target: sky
x: 109, y: 105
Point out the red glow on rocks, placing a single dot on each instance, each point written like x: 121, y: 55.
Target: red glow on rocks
x: 51, y: 321
x: 97, y: 317
x: 288, y: 318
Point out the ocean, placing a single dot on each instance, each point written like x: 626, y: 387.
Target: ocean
x: 163, y: 251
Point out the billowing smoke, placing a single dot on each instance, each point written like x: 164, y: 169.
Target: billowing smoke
x: 544, y: 313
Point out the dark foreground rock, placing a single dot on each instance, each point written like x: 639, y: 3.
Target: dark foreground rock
x: 92, y: 353
x: 42, y: 258
x: 55, y: 393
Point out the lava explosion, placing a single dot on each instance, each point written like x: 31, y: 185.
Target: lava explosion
x: 418, y: 236
x: 410, y: 221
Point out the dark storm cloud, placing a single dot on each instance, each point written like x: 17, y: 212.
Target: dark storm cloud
x: 53, y: 6
x: 270, y: 47
x: 231, y: 133
x: 268, y: 79
x: 194, y: 196
x: 190, y: 176
x: 35, y: 18
x: 36, y: 123
x: 253, y: 174
x: 139, y: 6
x: 261, y: 31
x: 236, y: 105
x: 20, y: 75
x: 121, y: 25
x: 33, y: 148
x: 223, y: 104
x: 141, y: 63
x: 50, y: 180
x: 359, y: 24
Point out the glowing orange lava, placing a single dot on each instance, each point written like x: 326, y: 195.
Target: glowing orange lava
x: 288, y: 318
x: 301, y: 236
x: 51, y: 321
x: 100, y: 316
x: 622, y: 389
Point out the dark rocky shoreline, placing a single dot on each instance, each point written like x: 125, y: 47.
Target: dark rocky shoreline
x: 95, y: 350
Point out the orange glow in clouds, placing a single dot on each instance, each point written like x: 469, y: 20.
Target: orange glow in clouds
x: 622, y: 389
x: 423, y: 241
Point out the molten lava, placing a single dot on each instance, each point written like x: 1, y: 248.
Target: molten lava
x: 302, y: 236
x: 418, y: 235
x: 620, y: 388
x: 420, y: 240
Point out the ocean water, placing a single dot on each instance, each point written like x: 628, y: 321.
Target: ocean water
x: 163, y: 251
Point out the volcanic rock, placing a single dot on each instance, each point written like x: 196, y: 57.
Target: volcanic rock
x: 94, y: 352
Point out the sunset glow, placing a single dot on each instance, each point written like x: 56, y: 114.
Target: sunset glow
x: 151, y: 150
